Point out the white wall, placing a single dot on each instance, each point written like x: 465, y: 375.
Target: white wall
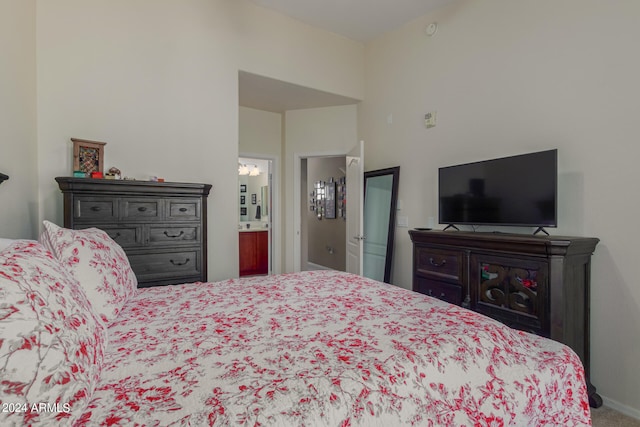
x: 312, y: 132
x: 260, y: 132
x: 18, y: 149
x: 158, y: 81
x: 273, y: 45
x: 513, y: 77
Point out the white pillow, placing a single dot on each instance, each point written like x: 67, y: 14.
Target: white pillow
x: 97, y: 262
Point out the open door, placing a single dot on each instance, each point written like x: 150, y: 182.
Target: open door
x: 355, y: 196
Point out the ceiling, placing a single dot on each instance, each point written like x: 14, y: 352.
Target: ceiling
x: 264, y: 93
x: 360, y: 20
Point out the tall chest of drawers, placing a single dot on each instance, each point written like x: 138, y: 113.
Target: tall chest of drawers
x: 162, y: 226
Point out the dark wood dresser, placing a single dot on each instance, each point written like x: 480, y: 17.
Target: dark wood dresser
x: 162, y: 226
x: 540, y: 284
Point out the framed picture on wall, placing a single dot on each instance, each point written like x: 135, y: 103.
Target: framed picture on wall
x: 243, y: 188
x: 243, y: 211
x: 243, y: 200
x: 254, y: 200
x: 330, y: 200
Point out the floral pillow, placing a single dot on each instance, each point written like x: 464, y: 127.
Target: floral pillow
x: 97, y: 262
x: 51, y: 342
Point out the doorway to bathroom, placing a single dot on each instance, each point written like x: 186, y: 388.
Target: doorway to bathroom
x: 255, y: 215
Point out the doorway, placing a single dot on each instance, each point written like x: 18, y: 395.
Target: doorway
x: 322, y: 221
x: 256, y: 215
x: 353, y: 172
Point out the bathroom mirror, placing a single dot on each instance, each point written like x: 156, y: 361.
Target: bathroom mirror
x: 380, y: 200
x: 253, y: 198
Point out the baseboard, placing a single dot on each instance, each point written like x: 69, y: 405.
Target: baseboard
x: 623, y: 409
x: 313, y: 266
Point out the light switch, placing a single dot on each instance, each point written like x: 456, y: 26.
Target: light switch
x: 403, y: 221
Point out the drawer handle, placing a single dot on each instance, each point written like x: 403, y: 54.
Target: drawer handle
x: 173, y: 236
x: 95, y: 208
x: 435, y: 264
x: 430, y: 293
x: 178, y: 263
x: 183, y: 209
x: 142, y: 208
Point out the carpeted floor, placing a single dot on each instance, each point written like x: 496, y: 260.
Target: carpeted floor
x: 607, y: 417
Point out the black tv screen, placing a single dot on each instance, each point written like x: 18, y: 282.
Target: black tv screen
x: 515, y: 191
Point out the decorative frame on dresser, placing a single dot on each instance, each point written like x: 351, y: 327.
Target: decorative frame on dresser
x: 162, y: 226
x: 539, y: 284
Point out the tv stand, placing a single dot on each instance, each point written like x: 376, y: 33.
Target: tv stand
x: 451, y: 226
x: 539, y: 284
x: 540, y: 230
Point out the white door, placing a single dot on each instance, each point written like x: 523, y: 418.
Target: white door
x: 355, y: 195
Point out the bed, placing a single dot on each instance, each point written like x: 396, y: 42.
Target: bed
x: 81, y: 346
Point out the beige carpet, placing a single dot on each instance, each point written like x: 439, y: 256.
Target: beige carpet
x: 607, y: 417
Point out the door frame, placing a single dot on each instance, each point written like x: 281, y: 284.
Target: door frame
x: 275, y: 235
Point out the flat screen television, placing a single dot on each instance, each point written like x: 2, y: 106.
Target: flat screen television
x: 512, y: 191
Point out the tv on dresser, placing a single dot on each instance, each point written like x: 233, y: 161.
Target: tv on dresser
x: 511, y: 191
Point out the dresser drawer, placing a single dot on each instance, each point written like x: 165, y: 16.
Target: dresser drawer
x: 141, y: 209
x: 439, y: 263
x: 183, y: 209
x: 173, y: 234
x: 101, y: 209
x: 152, y: 265
x: 127, y: 236
x: 437, y: 289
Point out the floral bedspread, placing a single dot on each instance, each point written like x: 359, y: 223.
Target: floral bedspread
x: 326, y: 349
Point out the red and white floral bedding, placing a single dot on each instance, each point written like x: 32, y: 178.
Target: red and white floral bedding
x: 81, y: 346
x: 325, y: 348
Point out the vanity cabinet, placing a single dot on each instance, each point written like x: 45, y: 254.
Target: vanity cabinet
x: 254, y: 252
x: 162, y: 226
x: 539, y: 284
